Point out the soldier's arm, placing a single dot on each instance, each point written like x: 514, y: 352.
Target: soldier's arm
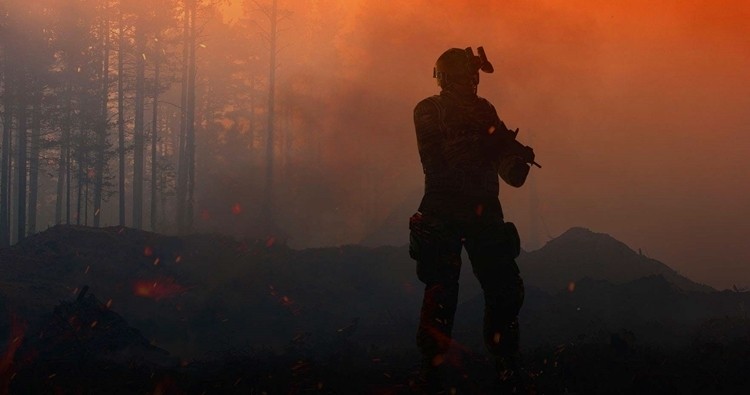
x: 512, y: 156
x: 500, y: 139
x: 429, y: 136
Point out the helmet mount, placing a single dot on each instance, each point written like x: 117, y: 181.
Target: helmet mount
x: 461, y: 66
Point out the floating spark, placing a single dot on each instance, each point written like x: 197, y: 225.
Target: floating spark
x: 158, y: 289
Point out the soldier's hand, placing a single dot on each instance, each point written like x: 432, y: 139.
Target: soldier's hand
x: 514, y: 170
x: 527, y: 153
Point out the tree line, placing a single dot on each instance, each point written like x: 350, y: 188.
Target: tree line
x: 102, y: 103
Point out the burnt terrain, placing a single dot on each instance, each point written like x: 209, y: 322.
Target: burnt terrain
x: 117, y: 310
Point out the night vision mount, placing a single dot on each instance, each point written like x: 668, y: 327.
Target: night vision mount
x: 479, y: 62
x: 450, y: 63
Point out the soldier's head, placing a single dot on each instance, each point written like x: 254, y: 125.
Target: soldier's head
x: 458, y: 70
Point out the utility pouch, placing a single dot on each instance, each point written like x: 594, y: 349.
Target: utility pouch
x: 513, y: 240
x: 418, y: 235
x: 428, y: 237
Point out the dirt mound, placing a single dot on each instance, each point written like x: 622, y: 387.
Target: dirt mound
x: 87, y: 329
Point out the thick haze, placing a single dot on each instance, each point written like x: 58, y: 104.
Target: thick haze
x: 637, y: 110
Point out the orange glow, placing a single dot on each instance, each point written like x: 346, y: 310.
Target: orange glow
x: 158, y: 289
x: 286, y: 301
x: 17, y: 332
x: 637, y: 109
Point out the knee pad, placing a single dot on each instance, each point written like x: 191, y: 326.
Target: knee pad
x: 435, y: 248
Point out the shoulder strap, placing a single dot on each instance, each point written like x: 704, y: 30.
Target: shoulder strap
x: 437, y: 100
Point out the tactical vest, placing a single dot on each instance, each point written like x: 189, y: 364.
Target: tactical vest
x: 451, y: 135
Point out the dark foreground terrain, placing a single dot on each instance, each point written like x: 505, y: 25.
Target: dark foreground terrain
x: 117, y: 310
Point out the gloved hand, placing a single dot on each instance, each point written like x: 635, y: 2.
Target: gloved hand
x: 514, y: 169
x: 526, y: 153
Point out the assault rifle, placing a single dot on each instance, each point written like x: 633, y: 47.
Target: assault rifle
x: 524, y: 151
x: 506, y: 139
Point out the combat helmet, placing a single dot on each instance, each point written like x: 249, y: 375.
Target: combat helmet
x: 460, y: 66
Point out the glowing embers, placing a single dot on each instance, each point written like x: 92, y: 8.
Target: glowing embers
x: 15, y: 338
x: 158, y: 289
x: 284, y: 300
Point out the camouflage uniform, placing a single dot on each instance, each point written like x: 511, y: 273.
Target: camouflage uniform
x: 461, y: 159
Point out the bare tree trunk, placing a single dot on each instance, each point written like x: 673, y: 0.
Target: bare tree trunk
x: 162, y: 175
x: 63, y: 160
x: 164, y: 150
x: 101, y: 141
x: 138, y: 138
x: 81, y: 161
x: 190, y: 135
x: 21, y: 176
x: 268, y: 190
x: 252, y: 114
x: 121, y: 119
x: 5, y: 157
x: 154, y: 136
x: 36, y: 126
x: 281, y: 142
x: 288, y: 139
x: 86, y: 204
x: 68, y: 166
x: 270, y: 157
x: 182, y: 151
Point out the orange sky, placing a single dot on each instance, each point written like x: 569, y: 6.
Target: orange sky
x: 638, y: 111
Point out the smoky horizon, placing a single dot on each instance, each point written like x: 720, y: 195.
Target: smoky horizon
x: 637, y: 112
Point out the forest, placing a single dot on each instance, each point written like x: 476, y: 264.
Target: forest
x: 167, y: 116
x: 211, y: 196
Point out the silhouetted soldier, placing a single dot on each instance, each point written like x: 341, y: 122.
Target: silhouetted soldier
x: 464, y: 146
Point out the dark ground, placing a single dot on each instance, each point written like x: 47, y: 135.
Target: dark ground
x: 569, y: 368
x: 210, y: 314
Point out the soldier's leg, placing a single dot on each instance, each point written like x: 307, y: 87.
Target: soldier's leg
x: 437, y: 313
x: 492, y: 251
x: 437, y: 251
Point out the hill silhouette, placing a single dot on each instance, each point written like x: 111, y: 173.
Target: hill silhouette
x: 197, y: 294
x: 257, y: 308
x: 580, y: 253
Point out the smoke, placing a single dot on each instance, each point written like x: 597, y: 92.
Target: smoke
x: 636, y: 111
